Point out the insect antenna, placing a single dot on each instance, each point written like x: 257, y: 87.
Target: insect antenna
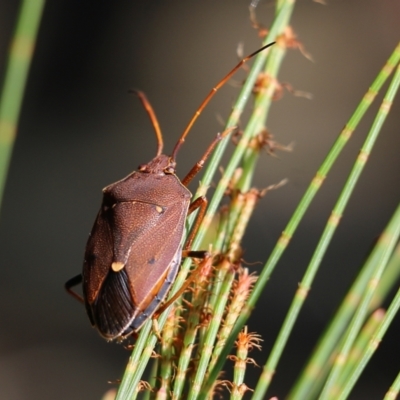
x: 153, y: 119
x: 210, y: 96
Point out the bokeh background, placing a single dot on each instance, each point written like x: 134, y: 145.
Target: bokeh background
x: 80, y: 130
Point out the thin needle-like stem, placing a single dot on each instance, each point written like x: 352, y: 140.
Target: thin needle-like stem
x: 19, y: 61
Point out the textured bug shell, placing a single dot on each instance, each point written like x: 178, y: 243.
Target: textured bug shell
x: 134, y: 250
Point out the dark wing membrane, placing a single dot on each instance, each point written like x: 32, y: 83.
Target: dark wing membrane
x: 113, y: 308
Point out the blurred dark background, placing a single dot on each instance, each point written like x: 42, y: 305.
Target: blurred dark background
x: 80, y: 130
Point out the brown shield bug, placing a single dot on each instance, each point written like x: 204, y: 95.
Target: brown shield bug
x: 135, y: 247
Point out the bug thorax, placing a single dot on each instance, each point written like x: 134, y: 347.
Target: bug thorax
x: 159, y: 165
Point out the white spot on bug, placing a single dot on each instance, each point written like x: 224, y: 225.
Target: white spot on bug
x: 117, y: 266
x: 159, y: 209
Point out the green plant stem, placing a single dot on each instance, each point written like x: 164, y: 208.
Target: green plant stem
x: 244, y: 282
x: 19, y: 61
x: 238, y: 386
x: 211, y: 333
x: 363, y: 308
x: 361, y: 345
x: 373, y: 345
x: 152, y: 380
x: 165, y: 372
x: 318, y: 367
x: 192, y: 326
x: 391, y: 275
x: 134, y: 369
x: 260, y: 111
x: 306, y: 200
x: 332, y: 224
x: 391, y: 239
x: 394, y: 390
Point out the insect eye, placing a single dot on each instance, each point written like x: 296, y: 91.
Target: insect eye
x: 169, y: 170
x: 142, y: 167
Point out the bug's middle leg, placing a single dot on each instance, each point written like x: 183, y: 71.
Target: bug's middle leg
x: 206, y: 260
x: 201, y: 204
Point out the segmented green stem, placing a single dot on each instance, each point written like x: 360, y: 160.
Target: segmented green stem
x: 147, y: 395
x: 244, y: 204
x: 391, y: 274
x: 320, y: 363
x: 193, y: 323
x: 240, y: 295
x: 166, y: 355
x: 247, y: 204
x: 360, y: 345
x: 322, y: 246
x: 306, y: 201
x: 361, y: 160
x: 210, y: 335
x: 391, y: 239
x: 373, y: 345
x: 394, y: 390
x: 19, y: 61
x: 245, y: 343
x: 135, y: 367
x: 224, y: 221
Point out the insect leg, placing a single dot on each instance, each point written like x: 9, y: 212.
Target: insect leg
x: 200, y: 164
x: 195, y: 254
x: 76, y: 280
x: 207, y: 258
x: 201, y: 203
